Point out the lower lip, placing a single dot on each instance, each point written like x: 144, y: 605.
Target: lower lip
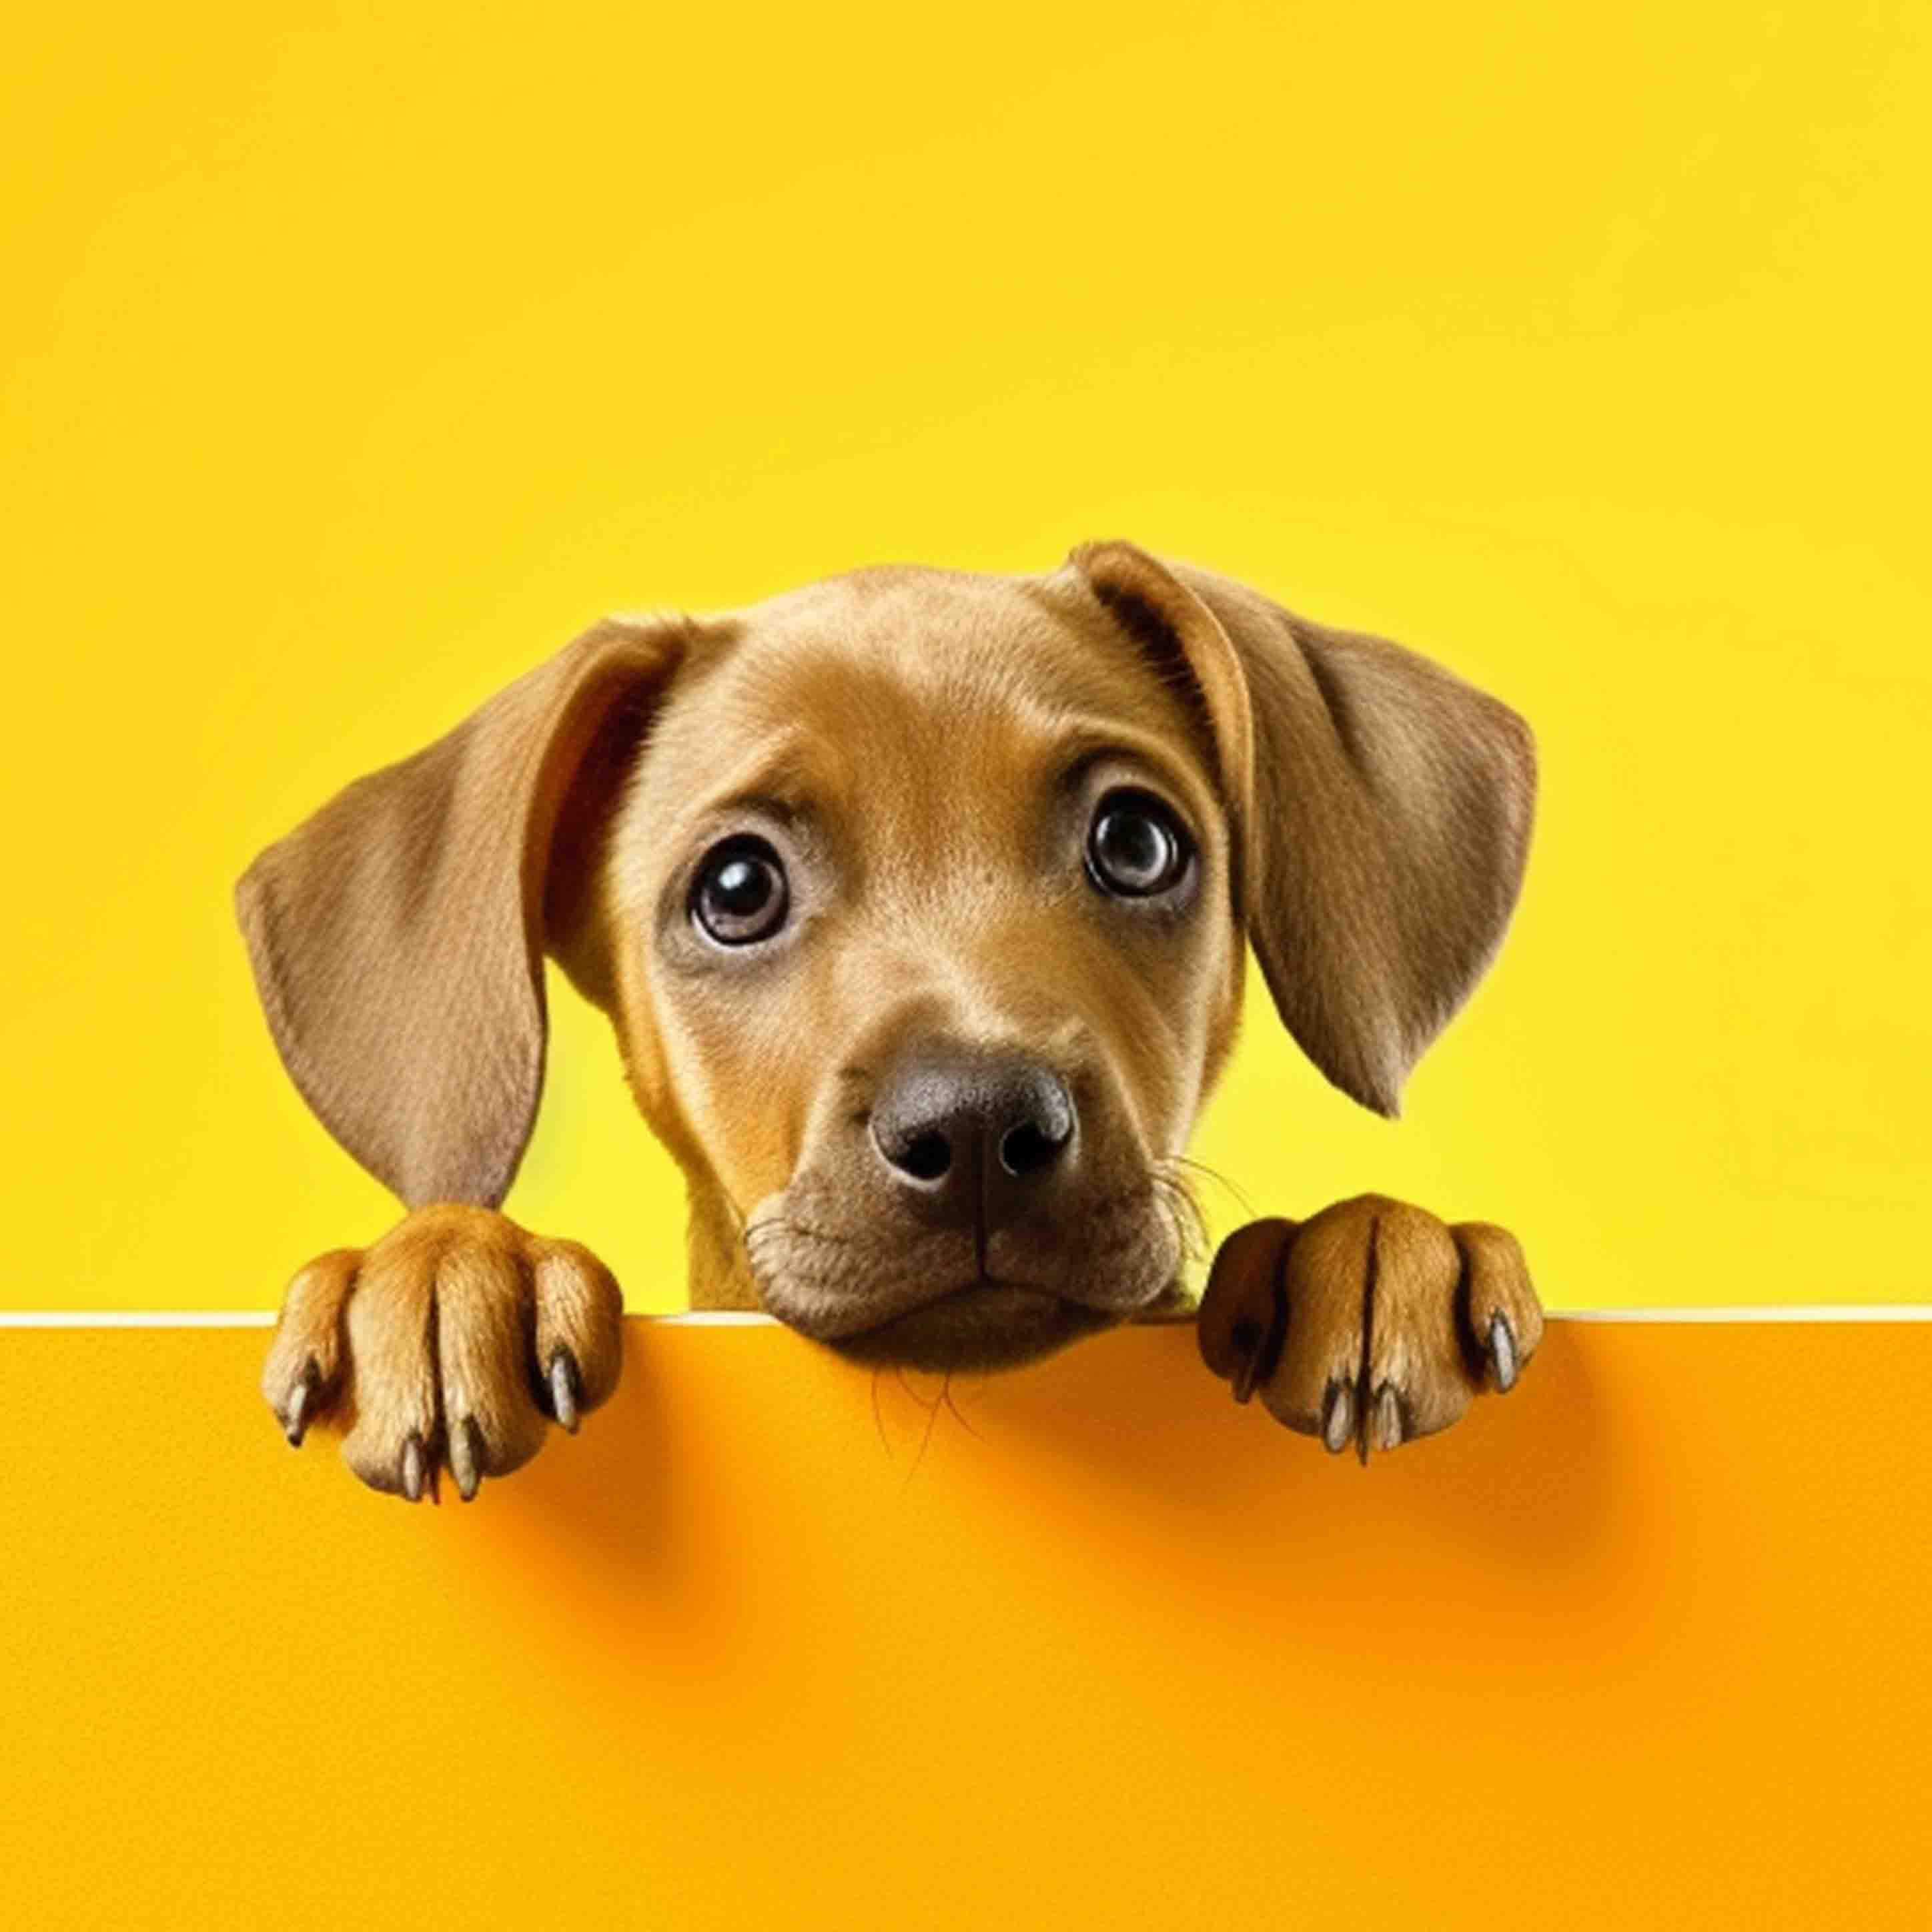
x: 989, y: 1289
x: 986, y: 1324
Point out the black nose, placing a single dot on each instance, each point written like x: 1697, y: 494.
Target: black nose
x: 965, y: 1135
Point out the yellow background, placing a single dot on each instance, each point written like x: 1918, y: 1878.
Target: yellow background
x: 354, y: 357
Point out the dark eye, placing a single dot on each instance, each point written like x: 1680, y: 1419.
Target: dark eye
x: 739, y: 896
x: 1135, y: 847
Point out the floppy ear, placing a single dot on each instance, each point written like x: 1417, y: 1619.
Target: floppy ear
x: 1381, y: 808
x: 397, y: 936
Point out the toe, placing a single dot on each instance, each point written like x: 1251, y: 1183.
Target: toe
x: 491, y: 1423
x: 579, y: 1328
x: 1501, y: 1318
x: 302, y: 1374
x: 391, y: 1394
x: 1416, y: 1369
x: 1316, y: 1386
x: 1244, y: 1313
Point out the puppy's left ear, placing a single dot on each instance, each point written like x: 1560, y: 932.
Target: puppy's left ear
x: 397, y: 936
x: 1381, y: 809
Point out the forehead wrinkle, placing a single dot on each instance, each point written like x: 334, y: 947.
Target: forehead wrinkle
x: 898, y: 699
x: 1081, y: 736
x: 910, y: 705
x: 783, y: 772
x: 792, y: 772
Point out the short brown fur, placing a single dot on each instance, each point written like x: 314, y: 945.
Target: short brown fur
x: 923, y: 753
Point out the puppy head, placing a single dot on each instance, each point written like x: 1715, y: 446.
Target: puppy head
x: 918, y: 901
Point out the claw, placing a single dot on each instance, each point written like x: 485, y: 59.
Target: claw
x: 1502, y: 1351
x: 412, y: 1468
x: 1338, y: 1416
x: 465, y: 1459
x: 295, y: 1419
x: 1388, y: 1418
x: 1247, y: 1338
x: 565, y: 1389
x: 1259, y: 1347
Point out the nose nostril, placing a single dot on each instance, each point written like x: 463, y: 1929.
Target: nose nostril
x: 1026, y: 1149
x: 926, y: 1158
x: 958, y: 1130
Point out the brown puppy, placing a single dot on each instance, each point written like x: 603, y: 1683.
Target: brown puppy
x: 918, y: 901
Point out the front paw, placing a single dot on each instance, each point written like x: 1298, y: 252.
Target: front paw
x: 1373, y: 1323
x: 457, y: 1338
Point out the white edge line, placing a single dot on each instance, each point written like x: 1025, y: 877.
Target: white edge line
x: 739, y: 1317
x: 264, y: 1318
x: 1847, y: 1311
x: 137, y: 1318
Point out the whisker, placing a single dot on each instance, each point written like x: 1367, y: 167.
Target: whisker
x: 931, y: 1417
x: 1183, y: 1235
x: 1215, y: 1173
x: 1188, y: 1190
x: 945, y: 1395
x: 773, y: 1225
x: 1184, y: 1212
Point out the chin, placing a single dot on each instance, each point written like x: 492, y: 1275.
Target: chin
x: 988, y: 1326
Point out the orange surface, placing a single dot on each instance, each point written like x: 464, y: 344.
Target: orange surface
x: 1643, y: 1643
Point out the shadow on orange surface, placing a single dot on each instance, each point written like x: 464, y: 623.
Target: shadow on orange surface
x: 776, y: 1639
x: 1538, y: 1549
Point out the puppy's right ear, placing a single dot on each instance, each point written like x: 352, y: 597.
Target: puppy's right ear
x: 398, y: 937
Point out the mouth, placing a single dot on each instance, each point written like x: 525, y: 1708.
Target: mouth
x: 986, y: 1325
